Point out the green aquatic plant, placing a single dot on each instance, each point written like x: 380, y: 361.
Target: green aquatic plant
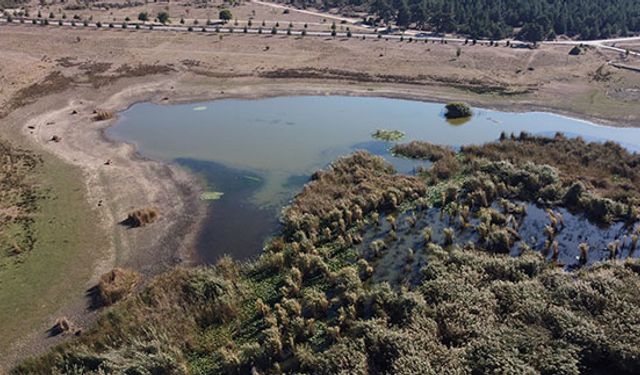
x: 388, y: 135
x: 211, y: 195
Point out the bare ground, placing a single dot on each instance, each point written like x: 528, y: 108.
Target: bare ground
x: 52, y: 87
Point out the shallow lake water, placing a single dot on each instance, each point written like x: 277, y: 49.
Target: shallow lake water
x: 258, y: 153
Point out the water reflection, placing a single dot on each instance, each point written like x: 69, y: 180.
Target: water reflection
x: 279, y: 142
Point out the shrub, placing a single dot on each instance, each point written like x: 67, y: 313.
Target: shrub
x: 101, y: 115
x: 61, y: 326
x: 163, y: 17
x: 225, y: 15
x: 115, y: 285
x: 575, y: 51
x: 422, y: 150
x: 457, y: 110
x: 141, y: 217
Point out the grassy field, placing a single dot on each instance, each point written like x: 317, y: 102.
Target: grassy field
x: 57, y: 268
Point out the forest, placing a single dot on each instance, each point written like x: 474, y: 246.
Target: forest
x: 529, y: 20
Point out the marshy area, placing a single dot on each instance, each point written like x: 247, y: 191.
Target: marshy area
x: 375, y: 271
x: 466, y: 257
x: 255, y: 155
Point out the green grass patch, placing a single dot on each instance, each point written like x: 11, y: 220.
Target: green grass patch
x: 58, y: 266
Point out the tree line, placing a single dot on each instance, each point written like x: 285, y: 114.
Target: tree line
x: 530, y: 20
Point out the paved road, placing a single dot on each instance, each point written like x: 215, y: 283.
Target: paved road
x: 319, y: 14
x: 603, y: 43
x: 219, y: 28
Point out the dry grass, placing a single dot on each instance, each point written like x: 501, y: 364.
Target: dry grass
x: 54, y: 82
x: 115, y: 285
x: 422, y: 150
x: 141, y: 217
x: 63, y: 326
x: 101, y: 115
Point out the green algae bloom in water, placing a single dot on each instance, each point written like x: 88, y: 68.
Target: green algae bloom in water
x: 388, y: 135
x: 211, y: 195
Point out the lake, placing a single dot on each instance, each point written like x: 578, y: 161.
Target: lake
x: 255, y: 154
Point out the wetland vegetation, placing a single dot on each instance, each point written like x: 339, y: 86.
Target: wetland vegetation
x: 457, y: 110
x: 257, y: 154
x: 388, y: 135
x: 379, y: 272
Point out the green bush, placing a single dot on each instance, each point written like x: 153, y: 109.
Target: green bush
x: 457, y: 110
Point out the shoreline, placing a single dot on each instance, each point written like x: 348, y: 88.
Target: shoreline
x: 117, y: 104
x: 392, y: 91
x: 521, y: 109
x: 171, y: 241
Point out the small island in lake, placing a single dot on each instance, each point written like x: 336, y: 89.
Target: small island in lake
x: 457, y: 110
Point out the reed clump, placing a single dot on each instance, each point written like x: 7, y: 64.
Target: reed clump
x: 102, y: 115
x: 141, y: 217
x: 116, y: 285
x: 422, y: 150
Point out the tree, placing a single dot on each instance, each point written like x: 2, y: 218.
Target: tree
x: 404, y: 16
x: 418, y: 13
x: 143, y: 16
x: 443, y: 22
x: 531, y: 32
x: 163, y: 17
x: 382, y: 9
x: 225, y: 15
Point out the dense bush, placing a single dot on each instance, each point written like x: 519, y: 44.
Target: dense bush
x: 457, y: 110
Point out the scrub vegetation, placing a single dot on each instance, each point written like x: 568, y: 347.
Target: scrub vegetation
x: 141, y: 217
x: 457, y: 110
x: 322, y: 298
x: 422, y: 150
x: 18, y: 202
